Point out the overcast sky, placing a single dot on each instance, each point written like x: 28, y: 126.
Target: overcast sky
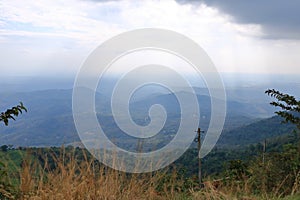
x: 55, y: 37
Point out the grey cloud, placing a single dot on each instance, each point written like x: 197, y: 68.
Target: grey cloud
x: 280, y: 19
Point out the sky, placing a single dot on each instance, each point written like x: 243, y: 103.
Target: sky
x: 55, y: 37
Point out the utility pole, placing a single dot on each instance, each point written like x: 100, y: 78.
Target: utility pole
x: 198, y: 140
x: 264, y: 166
x: 264, y: 150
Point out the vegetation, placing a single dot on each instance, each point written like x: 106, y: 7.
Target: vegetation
x: 5, y: 186
x: 72, y: 173
x: 268, y: 170
x: 12, y: 113
x: 290, y: 107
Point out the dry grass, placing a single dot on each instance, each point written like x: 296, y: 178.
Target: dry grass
x: 218, y: 190
x: 86, y: 179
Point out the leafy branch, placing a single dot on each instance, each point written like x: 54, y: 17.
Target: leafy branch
x: 12, y: 113
x: 289, y: 106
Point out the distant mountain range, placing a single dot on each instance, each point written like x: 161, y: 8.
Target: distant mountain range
x: 49, y: 120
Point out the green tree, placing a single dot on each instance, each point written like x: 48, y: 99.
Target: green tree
x: 4, y: 148
x: 5, y: 186
x: 284, y: 167
x: 290, y: 106
x: 12, y: 113
x: 237, y: 170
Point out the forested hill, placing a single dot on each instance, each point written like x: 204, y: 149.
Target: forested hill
x: 256, y: 132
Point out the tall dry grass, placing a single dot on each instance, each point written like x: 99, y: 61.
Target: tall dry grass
x: 74, y: 179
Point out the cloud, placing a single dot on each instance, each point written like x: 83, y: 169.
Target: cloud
x: 48, y: 18
x: 279, y: 19
x: 52, y: 36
